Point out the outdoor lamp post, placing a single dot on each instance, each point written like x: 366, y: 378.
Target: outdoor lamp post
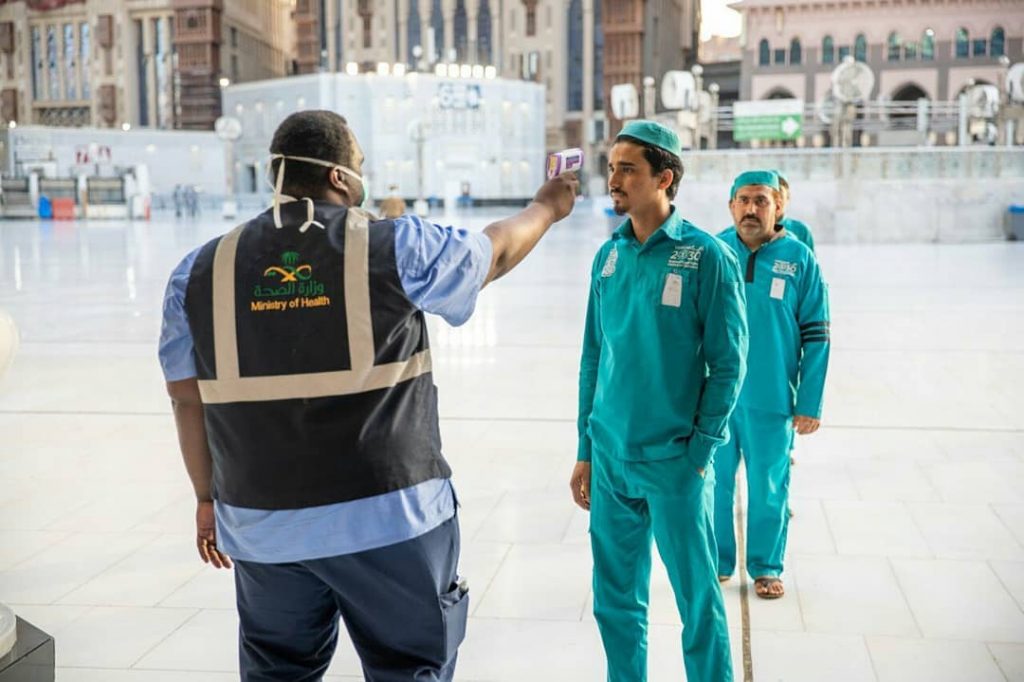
x: 649, y: 103
x: 697, y: 70
x: 713, y: 119
x: 418, y: 132
x: 1005, y: 122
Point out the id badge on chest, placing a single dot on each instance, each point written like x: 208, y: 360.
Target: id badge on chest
x: 778, y: 288
x: 672, y: 292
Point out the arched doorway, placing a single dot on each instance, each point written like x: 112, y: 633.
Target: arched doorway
x: 911, y: 92
x: 779, y: 93
x: 905, y: 99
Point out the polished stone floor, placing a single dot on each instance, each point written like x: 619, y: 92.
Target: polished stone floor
x: 906, y: 556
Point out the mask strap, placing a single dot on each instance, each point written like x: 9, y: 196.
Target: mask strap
x: 309, y: 217
x: 278, y: 182
x: 281, y: 198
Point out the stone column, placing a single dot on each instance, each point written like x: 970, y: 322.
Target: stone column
x: 590, y: 163
x: 426, y: 15
x: 448, y: 10
x: 471, y: 43
x: 402, y: 46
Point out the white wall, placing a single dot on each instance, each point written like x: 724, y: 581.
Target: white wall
x: 497, y: 148
x: 908, y: 194
x: 172, y: 156
x: 875, y: 211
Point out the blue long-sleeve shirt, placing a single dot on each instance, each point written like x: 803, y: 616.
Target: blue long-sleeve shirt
x: 664, y: 347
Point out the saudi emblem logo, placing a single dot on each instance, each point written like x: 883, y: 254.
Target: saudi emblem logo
x: 290, y: 279
x: 290, y: 270
x: 609, y: 264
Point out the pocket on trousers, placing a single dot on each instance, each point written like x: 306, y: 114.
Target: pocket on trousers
x: 454, y: 613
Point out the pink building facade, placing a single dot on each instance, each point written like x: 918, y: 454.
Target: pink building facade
x: 916, y: 48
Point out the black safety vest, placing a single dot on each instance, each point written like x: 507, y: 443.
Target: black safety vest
x: 313, y: 364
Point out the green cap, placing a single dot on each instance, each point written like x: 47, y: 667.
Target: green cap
x: 653, y: 134
x: 756, y: 177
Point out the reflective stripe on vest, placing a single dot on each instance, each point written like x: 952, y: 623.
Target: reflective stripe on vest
x: 364, y: 376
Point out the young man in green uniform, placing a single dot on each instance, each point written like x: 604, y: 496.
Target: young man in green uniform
x: 794, y: 227
x: 787, y: 310
x: 663, y: 360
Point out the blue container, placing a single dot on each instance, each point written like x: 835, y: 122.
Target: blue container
x: 45, y: 207
x: 1014, y: 220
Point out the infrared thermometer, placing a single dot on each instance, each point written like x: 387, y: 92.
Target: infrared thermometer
x: 564, y: 161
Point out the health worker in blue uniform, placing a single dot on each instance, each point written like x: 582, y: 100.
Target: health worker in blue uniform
x: 787, y: 311
x: 296, y: 356
x: 663, y: 359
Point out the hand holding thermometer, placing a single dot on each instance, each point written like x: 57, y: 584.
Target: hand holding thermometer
x: 564, y: 161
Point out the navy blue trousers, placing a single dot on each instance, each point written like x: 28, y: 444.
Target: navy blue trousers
x: 403, y: 606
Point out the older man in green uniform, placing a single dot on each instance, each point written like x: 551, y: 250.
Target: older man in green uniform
x: 663, y: 359
x: 787, y: 308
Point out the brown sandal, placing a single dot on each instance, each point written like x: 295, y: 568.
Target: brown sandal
x: 763, y: 587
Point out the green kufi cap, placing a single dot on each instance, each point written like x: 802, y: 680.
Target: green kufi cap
x: 756, y: 177
x: 653, y: 134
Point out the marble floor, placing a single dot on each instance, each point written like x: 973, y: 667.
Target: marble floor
x: 906, y: 555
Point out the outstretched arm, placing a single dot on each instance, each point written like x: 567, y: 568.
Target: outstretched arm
x: 513, y: 238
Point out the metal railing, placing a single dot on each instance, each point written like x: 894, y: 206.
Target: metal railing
x: 940, y: 117
x: 861, y: 163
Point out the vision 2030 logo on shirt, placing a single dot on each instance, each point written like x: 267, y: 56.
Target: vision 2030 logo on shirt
x: 609, y: 263
x: 686, y: 257
x: 290, y: 286
x: 782, y: 267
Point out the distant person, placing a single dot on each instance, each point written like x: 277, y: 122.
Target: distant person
x: 465, y: 199
x: 793, y: 226
x: 179, y: 199
x: 393, y: 205
x: 192, y: 201
x: 788, y: 317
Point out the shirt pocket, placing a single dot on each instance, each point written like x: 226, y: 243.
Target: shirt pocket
x: 784, y: 294
x: 674, y: 297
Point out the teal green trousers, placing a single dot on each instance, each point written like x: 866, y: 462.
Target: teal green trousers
x: 669, y: 500
x: 764, y: 440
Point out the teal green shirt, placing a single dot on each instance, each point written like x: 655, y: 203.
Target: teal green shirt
x: 664, y: 347
x: 797, y: 229
x: 787, y: 309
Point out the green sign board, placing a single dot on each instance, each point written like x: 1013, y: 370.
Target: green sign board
x: 774, y: 119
